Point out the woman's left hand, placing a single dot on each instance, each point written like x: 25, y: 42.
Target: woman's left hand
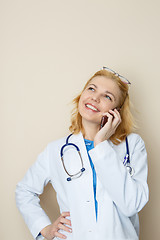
x: 114, y: 119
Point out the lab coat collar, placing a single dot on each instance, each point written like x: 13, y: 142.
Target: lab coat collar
x: 78, y: 138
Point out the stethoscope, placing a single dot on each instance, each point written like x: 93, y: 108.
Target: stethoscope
x: 126, y: 161
x: 79, y: 173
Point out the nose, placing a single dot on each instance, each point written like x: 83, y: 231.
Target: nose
x: 96, y: 98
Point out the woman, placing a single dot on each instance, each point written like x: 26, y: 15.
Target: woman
x: 100, y: 189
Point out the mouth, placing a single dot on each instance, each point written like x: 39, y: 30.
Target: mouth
x: 91, y: 107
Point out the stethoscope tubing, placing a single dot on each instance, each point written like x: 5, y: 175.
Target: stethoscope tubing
x: 126, y: 161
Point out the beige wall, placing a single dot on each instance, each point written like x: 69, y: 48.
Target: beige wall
x: 48, y: 51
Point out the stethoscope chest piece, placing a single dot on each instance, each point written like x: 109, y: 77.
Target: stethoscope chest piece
x: 130, y: 170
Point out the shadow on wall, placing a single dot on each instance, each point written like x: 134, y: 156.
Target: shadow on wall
x: 49, y: 203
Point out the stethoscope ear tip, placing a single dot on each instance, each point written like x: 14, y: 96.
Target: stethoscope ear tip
x: 68, y: 179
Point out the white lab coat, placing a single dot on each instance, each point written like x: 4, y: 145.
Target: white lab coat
x: 120, y: 197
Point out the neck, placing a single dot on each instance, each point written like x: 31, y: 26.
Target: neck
x: 90, y: 130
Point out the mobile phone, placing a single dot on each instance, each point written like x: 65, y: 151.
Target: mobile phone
x: 105, y: 119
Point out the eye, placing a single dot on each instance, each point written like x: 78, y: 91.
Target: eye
x: 90, y: 88
x: 108, y: 97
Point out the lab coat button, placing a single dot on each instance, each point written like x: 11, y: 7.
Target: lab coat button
x: 90, y: 231
x: 88, y: 201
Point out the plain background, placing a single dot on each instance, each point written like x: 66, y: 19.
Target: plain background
x: 48, y: 50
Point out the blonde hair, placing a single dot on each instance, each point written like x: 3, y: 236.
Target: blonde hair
x: 127, y: 124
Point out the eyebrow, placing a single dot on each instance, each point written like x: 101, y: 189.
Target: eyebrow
x: 105, y: 91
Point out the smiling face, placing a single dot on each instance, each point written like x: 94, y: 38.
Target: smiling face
x: 100, y: 95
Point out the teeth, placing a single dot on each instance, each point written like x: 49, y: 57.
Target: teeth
x: 91, y: 107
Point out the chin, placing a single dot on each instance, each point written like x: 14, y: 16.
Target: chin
x: 90, y: 120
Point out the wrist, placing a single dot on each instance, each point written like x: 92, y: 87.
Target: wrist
x: 43, y: 232
x: 97, y: 142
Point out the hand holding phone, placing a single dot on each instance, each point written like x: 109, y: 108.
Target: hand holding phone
x: 105, y: 119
